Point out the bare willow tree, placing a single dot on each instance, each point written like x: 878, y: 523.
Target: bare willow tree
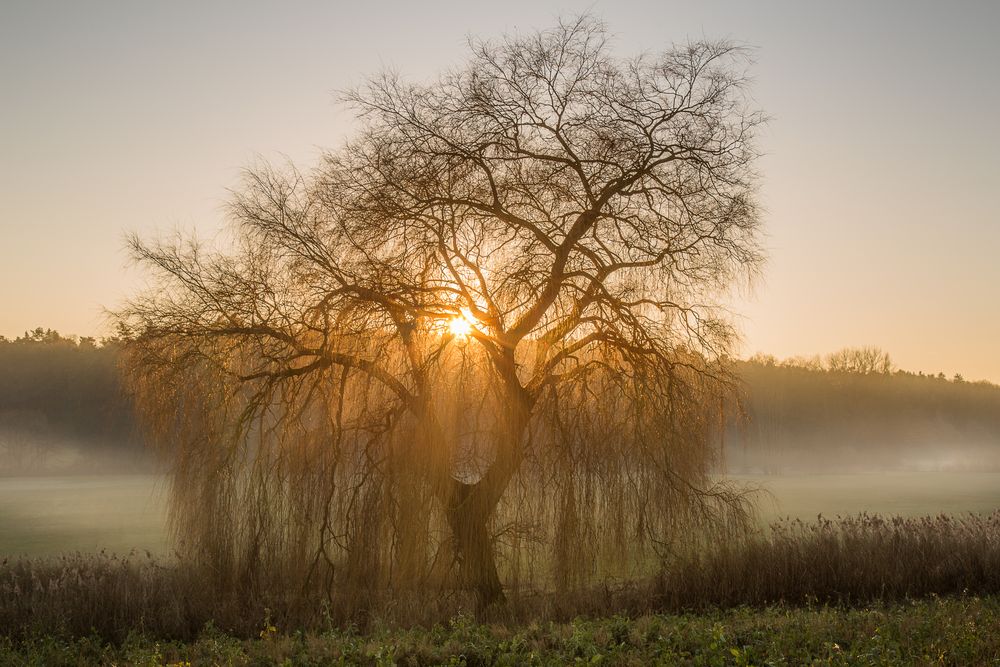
x: 478, y: 346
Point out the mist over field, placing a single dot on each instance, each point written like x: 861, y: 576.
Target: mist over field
x: 62, y: 408
x: 798, y: 418
x: 75, y: 474
x: 63, y: 411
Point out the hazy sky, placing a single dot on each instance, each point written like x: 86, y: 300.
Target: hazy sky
x: 881, y: 175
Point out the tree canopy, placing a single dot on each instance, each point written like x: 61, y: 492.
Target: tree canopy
x: 484, y: 327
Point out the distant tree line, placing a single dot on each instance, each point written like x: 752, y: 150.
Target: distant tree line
x: 866, y: 360
x: 60, y: 395
x: 852, y: 409
x: 862, y: 360
x: 855, y: 410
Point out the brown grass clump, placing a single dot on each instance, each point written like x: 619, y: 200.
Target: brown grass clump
x: 843, y: 560
x: 860, y: 559
x: 106, y: 594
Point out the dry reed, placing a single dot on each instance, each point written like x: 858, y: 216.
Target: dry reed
x: 843, y: 561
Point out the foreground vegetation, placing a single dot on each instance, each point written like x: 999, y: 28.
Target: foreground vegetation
x: 853, y: 561
x: 939, y: 631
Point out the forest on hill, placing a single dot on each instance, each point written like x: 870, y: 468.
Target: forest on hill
x: 62, y: 407
x: 854, y: 411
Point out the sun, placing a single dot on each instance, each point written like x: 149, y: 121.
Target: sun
x: 462, y: 325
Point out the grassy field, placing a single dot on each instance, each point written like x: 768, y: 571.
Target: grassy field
x: 888, y: 493
x: 943, y: 631
x: 42, y: 516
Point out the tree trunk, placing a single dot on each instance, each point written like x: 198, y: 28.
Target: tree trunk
x: 470, y: 507
x: 469, y: 516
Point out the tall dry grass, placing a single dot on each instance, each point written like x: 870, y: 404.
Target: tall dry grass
x: 112, y: 596
x: 842, y: 561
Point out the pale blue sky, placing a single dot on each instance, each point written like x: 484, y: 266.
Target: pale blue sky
x: 880, y: 180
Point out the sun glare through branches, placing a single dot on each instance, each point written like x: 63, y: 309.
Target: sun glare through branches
x: 462, y: 326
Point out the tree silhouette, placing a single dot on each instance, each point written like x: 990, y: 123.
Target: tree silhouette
x: 863, y: 360
x: 484, y: 327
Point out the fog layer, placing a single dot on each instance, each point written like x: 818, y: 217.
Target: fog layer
x: 798, y: 419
